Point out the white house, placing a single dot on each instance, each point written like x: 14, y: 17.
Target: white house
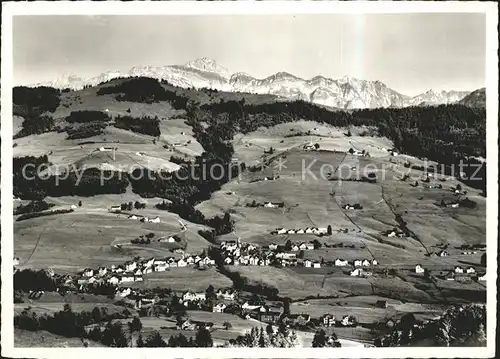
x: 89, y: 272
x: 113, y: 280
x: 167, y: 240
x: 295, y: 248
x: 270, y: 205
x: 102, y: 271
x: 250, y: 306
x: 155, y: 220
x: 366, y: 263
x: 127, y: 278
x: 309, y: 246
x: 138, y: 278
x: 443, y: 254
x: 356, y: 272
x: 138, y: 271
x: 358, y: 262
x: 147, y: 270
x: 470, y: 270
x: 459, y: 269
x: 291, y: 231
x: 281, y: 230
x: 123, y: 292
x: 190, y: 296
x: 391, y: 234
x: 115, y: 209
x: 130, y: 266
x: 181, y: 263
x: 219, y: 308
x: 161, y: 267
x: 419, y: 269
x: 340, y: 262
x: 300, y: 231
x: 16, y: 261
x: 316, y: 265
x: 309, y: 230
x: 303, y: 246
x: 228, y: 260
x: 482, y: 278
x: 228, y: 294
x: 374, y: 262
x: 273, y: 247
x: 307, y: 263
x: 133, y: 216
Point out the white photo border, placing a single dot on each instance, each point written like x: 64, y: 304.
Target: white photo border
x: 9, y: 10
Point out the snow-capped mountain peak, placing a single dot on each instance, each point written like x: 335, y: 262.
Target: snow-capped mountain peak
x: 345, y: 92
x: 207, y: 64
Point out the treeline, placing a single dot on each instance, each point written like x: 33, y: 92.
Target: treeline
x: 145, y: 125
x: 42, y: 214
x: 457, y: 326
x: 72, y: 324
x: 28, y: 184
x: 87, y: 116
x: 32, y: 103
x: 144, y: 90
x: 33, y: 206
x: 446, y: 134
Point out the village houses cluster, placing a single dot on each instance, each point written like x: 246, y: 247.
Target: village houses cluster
x: 134, y: 270
x: 236, y: 253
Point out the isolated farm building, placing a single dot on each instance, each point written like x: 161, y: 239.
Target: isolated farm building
x: 358, y: 262
x: 482, y: 277
x: 443, y: 253
x: 270, y: 205
x: 419, y: 269
x: 16, y: 261
x: 133, y: 216
x: 381, y: 304
x: 340, y: 262
x: 102, y: 271
x: 391, y: 234
x: 115, y: 209
x: 316, y: 264
x: 459, y: 269
x: 327, y: 320
x: 366, y: 263
x: 219, y: 308
x: 89, y: 272
x: 321, y: 230
x: 470, y: 270
x: 155, y: 220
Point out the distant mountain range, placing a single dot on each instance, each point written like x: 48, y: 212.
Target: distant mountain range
x: 344, y: 93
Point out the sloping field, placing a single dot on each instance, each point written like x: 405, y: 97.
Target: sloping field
x: 183, y: 279
x: 86, y: 237
x: 44, y: 339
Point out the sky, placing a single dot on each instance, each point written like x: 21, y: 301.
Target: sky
x: 410, y: 53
